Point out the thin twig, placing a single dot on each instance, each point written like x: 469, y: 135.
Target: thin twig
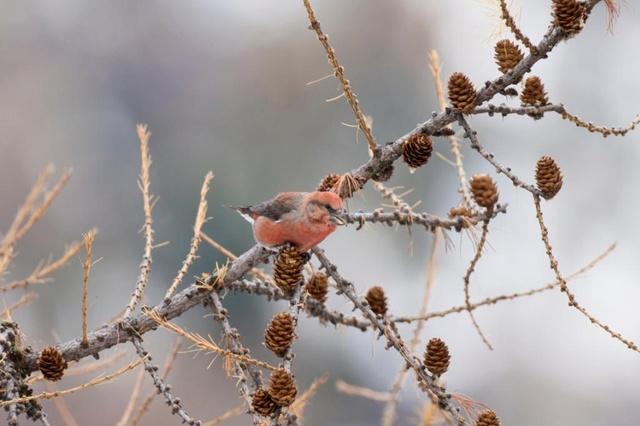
x: 604, y: 131
x: 248, y: 377
x: 204, y: 344
x: 475, y: 144
x: 389, y: 413
x: 504, y: 297
x: 338, y: 71
x: 87, y: 240
x: 301, y: 401
x: 25, y: 299
x: 95, y: 382
x: 467, y: 280
x: 135, y: 393
x: 201, y: 218
x: 166, y: 369
x: 144, y: 184
x: 436, y: 391
x: 429, y: 221
x: 40, y: 211
x: 41, y: 272
x: 353, y: 390
x: 229, y: 414
x: 511, y: 23
x: 62, y: 407
x: 553, y: 263
x: 161, y: 386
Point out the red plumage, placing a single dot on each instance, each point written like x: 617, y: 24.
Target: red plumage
x: 303, y: 219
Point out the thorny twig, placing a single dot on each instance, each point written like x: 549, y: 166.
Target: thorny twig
x: 248, y: 376
x: 172, y: 401
x: 444, y: 399
x: 389, y: 413
x: 430, y: 222
x: 511, y: 23
x: 144, y: 183
x: 338, y: 71
x: 42, y: 271
x: 87, y: 240
x: 467, y: 280
x: 166, y: 369
x: 537, y: 111
x: 475, y: 144
x: 553, y: 263
x: 201, y: 218
x: 504, y: 297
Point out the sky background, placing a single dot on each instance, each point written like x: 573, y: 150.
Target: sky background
x: 222, y: 86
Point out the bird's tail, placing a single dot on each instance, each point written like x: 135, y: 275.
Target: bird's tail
x: 245, y: 212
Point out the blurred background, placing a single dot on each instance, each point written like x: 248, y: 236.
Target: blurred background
x: 222, y: 86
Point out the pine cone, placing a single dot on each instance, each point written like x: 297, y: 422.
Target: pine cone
x: 282, y: 388
x: 328, y: 182
x: 416, y: 150
x: 507, y: 55
x: 488, y: 418
x: 262, y: 403
x: 533, y: 93
x: 436, y: 357
x: 484, y: 191
x: 377, y: 300
x: 548, y: 177
x: 570, y: 15
x: 287, y: 269
x: 280, y: 334
x: 318, y: 287
x: 462, y: 94
x: 52, y: 364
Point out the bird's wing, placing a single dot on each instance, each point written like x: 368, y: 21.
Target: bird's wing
x: 282, y: 204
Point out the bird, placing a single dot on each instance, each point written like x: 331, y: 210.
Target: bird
x: 302, y: 219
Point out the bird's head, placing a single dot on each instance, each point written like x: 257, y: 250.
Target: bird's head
x: 324, y: 206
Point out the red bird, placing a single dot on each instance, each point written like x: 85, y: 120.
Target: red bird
x: 303, y: 219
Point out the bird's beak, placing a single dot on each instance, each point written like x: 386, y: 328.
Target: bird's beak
x: 337, y: 217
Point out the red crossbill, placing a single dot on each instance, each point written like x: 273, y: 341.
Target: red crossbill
x: 303, y: 219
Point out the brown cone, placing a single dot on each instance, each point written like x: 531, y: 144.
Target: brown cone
x: 548, y: 177
x: 570, y: 15
x: 52, y: 364
x: 507, y: 55
x: 484, y: 191
x: 282, y: 388
x: 488, y: 418
x: 287, y: 269
x: 416, y: 150
x: 280, y: 334
x: 462, y: 94
x: 533, y: 93
x: 262, y: 403
x: 377, y: 300
x: 317, y: 287
x: 328, y: 182
x: 436, y: 357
